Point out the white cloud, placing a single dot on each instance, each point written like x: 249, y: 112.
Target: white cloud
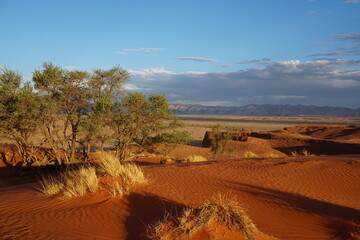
x: 332, y: 54
x: 120, y: 53
x: 288, y: 96
x: 256, y: 61
x: 317, y: 82
x: 143, y: 50
x: 146, y: 50
x: 130, y: 87
x: 349, y: 36
x: 150, y: 73
x: 197, y: 59
x: 323, y: 43
x: 69, y: 67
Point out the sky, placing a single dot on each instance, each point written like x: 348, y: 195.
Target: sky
x: 213, y: 52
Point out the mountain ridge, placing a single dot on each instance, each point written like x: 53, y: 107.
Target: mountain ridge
x: 266, y: 110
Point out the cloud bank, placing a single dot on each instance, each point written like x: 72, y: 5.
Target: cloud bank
x: 196, y: 59
x: 319, y: 82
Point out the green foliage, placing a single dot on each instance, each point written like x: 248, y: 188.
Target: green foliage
x: 105, y: 87
x: 77, y: 109
x: 137, y: 119
x: 20, y: 113
x: 83, y: 98
x: 219, y: 141
x: 172, y: 140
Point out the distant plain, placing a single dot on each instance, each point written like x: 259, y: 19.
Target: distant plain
x: 199, y: 124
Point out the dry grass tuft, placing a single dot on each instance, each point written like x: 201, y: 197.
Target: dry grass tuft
x: 271, y: 155
x: 123, y: 175
x: 195, y: 158
x: 129, y: 172
x: 294, y: 153
x: 72, y: 183
x: 115, y: 177
x: 50, y: 186
x: 222, y: 210
x: 347, y: 231
x: 303, y: 152
x: 249, y: 154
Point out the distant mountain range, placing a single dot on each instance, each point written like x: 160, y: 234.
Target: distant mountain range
x: 266, y: 110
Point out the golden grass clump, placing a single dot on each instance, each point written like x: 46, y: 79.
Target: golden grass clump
x: 130, y: 173
x: 249, y: 154
x: 195, y: 158
x: 271, y: 155
x: 222, y: 210
x: 71, y: 183
x: 303, y: 152
x: 111, y: 175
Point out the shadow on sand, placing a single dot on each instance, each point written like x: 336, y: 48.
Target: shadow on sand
x: 147, y: 209
x: 298, y: 202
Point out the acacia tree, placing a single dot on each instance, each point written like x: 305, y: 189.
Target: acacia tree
x: 77, y: 107
x: 20, y: 114
x: 105, y: 87
x: 137, y: 121
x: 219, y: 141
x: 67, y: 95
x: 77, y: 102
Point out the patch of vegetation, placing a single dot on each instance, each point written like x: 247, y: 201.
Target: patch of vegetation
x: 195, y: 158
x: 303, y: 152
x: 70, y: 111
x: 111, y: 175
x: 249, y: 154
x: 71, y: 183
x: 219, y: 141
x: 222, y: 210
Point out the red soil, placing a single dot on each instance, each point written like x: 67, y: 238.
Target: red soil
x: 289, y: 198
x: 307, y: 197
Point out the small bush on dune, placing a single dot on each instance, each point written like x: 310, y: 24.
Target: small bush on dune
x: 129, y: 172
x: 249, y: 154
x: 50, y: 186
x: 271, y: 155
x: 223, y: 210
x: 115, y: 177
x: 78, y: 183
x: 303, y: 152
x: 195, y: 158
x: 72, y: 183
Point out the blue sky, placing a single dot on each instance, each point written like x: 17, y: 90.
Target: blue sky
x: 208, y: 52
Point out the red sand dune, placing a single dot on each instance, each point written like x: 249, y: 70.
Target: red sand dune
x: 336, y: 132
x: 289, y: 198
x: 307, y: 197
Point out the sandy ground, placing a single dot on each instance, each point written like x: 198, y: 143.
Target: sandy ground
x: 303, y: 197
x: 289, y: 198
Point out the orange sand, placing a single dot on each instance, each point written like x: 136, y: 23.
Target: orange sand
x: 307, y: 197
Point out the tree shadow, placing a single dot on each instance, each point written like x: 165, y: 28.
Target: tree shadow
x: 344, y: 230
x: 319, y: 147
x: 298, y: 202
x: 16, y: 175
x: 146, y: 209
x: 196, y: 143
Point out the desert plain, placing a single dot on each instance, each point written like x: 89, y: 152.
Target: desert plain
x: 295, y: 178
